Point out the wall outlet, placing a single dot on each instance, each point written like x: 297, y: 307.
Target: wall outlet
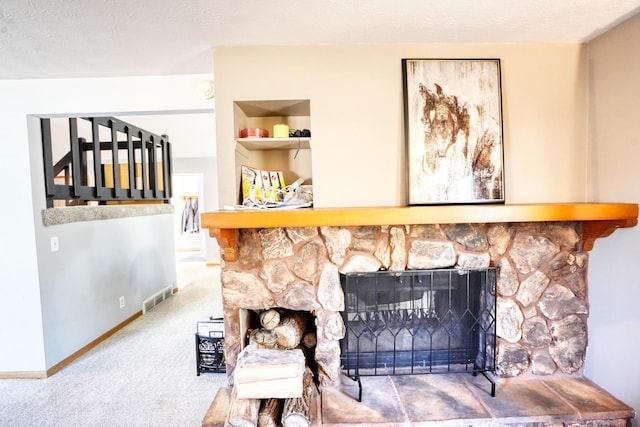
x: 54, y: 244
x: 121, y: 302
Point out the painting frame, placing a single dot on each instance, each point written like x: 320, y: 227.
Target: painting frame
x: 453, y: 131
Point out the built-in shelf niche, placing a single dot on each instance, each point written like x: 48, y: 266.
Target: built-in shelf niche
x: 290, y: 155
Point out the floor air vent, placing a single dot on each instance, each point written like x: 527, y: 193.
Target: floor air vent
x: 156, y: 299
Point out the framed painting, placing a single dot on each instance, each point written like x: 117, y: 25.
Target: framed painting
x: 453, y: 131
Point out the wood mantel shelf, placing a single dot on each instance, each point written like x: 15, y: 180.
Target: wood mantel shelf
x: 598, y: 219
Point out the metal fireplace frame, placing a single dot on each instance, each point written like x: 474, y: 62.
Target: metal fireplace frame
x: 419, y: 322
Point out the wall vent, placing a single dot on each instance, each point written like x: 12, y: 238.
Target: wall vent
x: 156, y: 299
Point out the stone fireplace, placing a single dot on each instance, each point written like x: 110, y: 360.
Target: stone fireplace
x: 542, y: 294
x: 542, y: 303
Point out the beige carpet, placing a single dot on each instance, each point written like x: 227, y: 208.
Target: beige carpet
x: 144, y: 375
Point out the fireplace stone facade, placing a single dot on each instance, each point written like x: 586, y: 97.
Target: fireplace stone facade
x: 542, y: 303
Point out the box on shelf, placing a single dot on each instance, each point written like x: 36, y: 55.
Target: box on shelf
x: 262, y: 187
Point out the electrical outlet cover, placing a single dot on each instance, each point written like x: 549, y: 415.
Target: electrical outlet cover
x: 54, y: 244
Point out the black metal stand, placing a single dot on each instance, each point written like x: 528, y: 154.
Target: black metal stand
x: 493, y: 383
x: 356, y: 378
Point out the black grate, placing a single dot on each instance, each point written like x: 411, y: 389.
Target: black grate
x: 419, y: 321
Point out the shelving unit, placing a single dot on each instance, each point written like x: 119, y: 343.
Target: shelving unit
x: 292, y: 156
x: 275, y: 143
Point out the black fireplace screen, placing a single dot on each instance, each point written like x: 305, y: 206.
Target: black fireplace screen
x: 419, y: 321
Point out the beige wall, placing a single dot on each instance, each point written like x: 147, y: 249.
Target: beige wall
x: 614, y: 97
x: 357, y: 115
x: 614, y: 175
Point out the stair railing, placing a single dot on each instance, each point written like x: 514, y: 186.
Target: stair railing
x: 130, y: 165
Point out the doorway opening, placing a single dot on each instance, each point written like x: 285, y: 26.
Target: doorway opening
x: 188, y: 198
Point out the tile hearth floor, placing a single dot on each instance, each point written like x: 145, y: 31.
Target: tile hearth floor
x: 460, y: 400
x: 465, y: 400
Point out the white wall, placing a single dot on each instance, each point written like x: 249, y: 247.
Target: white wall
x: 97, y: 263
x: 190, y: 134
x: 614, y: 152
x: 193, y: 144
x: 21, y: 331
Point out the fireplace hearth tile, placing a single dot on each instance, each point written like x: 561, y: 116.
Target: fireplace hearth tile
x: 520, y: 401
x: 464, y: 400
x: 438, y: 398
x: 590, y: 399
x: 217, y: 413
x: 458, y: 400
x: 379, y: 406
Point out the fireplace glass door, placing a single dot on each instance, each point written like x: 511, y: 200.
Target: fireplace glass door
x: 419, y: 321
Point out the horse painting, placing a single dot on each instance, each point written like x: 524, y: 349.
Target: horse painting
x: 454, y: 137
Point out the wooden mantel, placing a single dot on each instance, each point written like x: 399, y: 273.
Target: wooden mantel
x: 598, y: 219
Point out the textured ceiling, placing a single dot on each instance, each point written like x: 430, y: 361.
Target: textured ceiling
x: 92, y: 38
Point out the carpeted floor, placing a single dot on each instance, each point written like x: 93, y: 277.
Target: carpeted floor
x: 144, y: 375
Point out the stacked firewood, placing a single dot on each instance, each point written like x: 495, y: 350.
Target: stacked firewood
x: 286, y: 330
x: 268, y: 389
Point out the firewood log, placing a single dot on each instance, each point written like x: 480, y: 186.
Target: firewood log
x: 242, y: 412
x: 269, y: 319
x: 309, y: 340
x: 264, y: 338
x: 297, y: 412
x: 269, y: 414
x: 290, y: 330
